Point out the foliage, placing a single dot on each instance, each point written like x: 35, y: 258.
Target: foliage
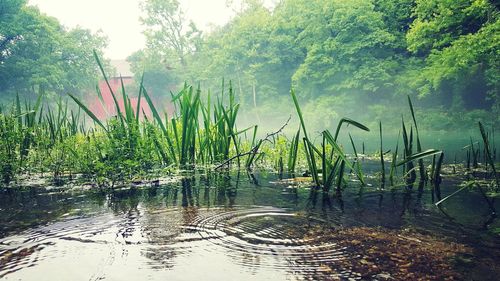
x: 345, y: 58
x: 168, y: 31
x: 158, y: 75
x: 364, y: 53
x: 9, y: 154
x: 459, y: 40
x: 38, y: 54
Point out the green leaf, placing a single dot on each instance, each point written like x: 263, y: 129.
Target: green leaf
x: 420, y: 155
x: 89, y: 112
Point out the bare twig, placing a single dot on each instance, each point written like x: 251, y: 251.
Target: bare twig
x: 268, y: 136
x: 254, y: 149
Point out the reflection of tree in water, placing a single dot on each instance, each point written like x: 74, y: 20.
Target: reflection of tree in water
x: 167, y: 229
x: 161, y: 229
x: 123, y: 201
x: 224, y: 189
x: 32, y: 207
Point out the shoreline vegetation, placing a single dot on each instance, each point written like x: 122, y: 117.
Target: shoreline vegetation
x: 203, y: 133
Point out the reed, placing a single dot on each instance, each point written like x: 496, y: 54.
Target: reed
x: 408, y: 151
x: 436, y: 177
x: 332, y: 157
x: 422, y: 171
x: 418, y: 156
x: 293, y: 153
x: 394, y: 160
x: 489, y: 156
x: 357, y: 163
x: 202, y: 131
x: 187, y: 139
x: 10, y: 136
x: 382, y: 162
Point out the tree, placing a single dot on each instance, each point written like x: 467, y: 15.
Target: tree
x: 168, y: 30
x: 8, y: 31
x: 252, y: 53
x: 77, y: 58
x: 398, y: 16
x: 45, y: 56
x: 349, y: 48
x: 354, y: 52
x: 159, y: 76
x: 460, y: 43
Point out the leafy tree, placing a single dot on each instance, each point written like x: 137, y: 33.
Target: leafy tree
x: 77, y: 58
x: 349, y: 47
x: 398, y: 16
x: 439, y: 22
x: 159, y: 76
x: 8, y: 33
x: 355, y: 52
x: 249, y: 51
x: 167, y: 30
x: 460, y: 42
x: 45, y: 56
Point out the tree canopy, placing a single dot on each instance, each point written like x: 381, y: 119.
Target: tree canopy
x: 444, y: 51
x: 38, y: 54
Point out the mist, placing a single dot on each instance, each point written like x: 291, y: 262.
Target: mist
x: 363, y: 68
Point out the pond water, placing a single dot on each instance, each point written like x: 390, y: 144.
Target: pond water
x: 234, y: 226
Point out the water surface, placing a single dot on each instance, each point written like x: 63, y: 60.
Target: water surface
x: 225, y: 227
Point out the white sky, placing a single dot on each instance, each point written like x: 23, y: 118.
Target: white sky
x: 119, y: 19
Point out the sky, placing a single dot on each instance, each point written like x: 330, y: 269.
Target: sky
x: 119, y: 19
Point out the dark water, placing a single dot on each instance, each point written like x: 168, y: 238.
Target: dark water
x: 217, y: 227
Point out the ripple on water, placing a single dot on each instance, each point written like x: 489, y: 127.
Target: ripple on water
x: 256, y: 239
x: 276, y: 237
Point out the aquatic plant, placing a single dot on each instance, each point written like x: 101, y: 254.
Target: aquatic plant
x: 9, y: 155
x: 394, y: 160
x: 202, y: 131
x: 332, y: 157
x: 293, y: 152
x: 382, y: 163
x: 357, y: 161
x: 422, y: 171
x: 489, y: 156
x: 186, y: 140
x: 408, y: 151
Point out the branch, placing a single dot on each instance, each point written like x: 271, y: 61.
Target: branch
x: 278, y: 131
x: 254, y: 149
